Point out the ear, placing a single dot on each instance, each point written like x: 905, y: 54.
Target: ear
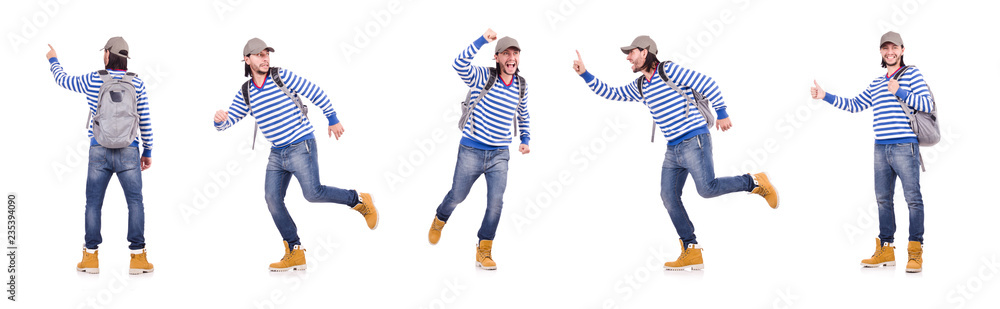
x: 246, y: 59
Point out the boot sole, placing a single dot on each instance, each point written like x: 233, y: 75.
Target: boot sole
x: 89, y: 270
x: 138, y: 271
x: 692, y: 267
x: 914, y: 270
x: 892, y: 263
x: 480, y: 265
x: 299, y: 267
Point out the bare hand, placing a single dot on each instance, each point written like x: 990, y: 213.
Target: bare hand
x: 146, y: 162
x: 893, y: 86
x: 336, y: 130
x: 221, y: 116
x: 490, y: 35
x: 51, y: 54
x: 578, y: 64
x: 724, y: 124
x: 817, y: 92
x: 524, y: 149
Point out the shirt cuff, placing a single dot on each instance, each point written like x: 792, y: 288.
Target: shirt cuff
x: 480, y: 42
x: 587, y: 76
x: 332, y: 120
x: 722, y: 113
x: 902, y: 93
x: 147, y: 152
x: 829, y: 98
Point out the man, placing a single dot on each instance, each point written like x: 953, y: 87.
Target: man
x: 122, y: 160
x: 896, y: 147
x: 485, y: 136
x: 689, y: 145
x: 293, y: 153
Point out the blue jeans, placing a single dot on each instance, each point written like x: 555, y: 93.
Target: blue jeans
x: 298, y: 159
x: 103, y: 163
x: 693, y: 156
x: 471, y: 163
x: 901, y: 160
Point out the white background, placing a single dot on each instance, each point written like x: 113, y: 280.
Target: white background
x: 583, y: 224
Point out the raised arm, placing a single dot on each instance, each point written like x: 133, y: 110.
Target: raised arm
x: 627, y: 93
x: 858, y: 104
x: 473, y: 75
x: 78, y: 84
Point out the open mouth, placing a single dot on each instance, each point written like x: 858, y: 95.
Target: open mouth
x: 510, y: 65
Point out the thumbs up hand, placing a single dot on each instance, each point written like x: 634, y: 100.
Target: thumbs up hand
x: 817, y: 92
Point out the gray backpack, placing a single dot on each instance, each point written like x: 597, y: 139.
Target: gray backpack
x: 924, y: 125
x: 704, y: 106
x: 470, y: 104
x: 288, y: 92
x: 116, y: 121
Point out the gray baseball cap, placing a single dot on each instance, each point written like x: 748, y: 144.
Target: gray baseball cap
x: 506, y: 42
x: 642, y: 41
x: 255, y: 46
x: 117, y: 46
x: 892, y: 37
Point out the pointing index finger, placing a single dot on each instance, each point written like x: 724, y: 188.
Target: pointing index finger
x: 578, y: 56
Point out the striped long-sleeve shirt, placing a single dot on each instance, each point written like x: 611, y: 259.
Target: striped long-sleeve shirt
x: 889, y: 120
x: 666, y: 105
x: 494, y: 115
x: 279, y: 119
x: 90, y: 85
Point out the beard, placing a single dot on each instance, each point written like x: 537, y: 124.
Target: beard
x: 895, y: 62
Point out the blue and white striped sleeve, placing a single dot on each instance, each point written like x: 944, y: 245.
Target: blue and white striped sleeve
x: 473, y: 76
x: 918, y: 94
x: 237, y: 110
x: 79, y: 84
x: 627, y: 93
x: 856, y: 105
x: 312, y: 92
x: 701, y: 83
x: 524, y: 119
x: 145, y: 123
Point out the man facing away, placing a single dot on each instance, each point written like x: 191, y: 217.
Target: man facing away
x: 107, y: 157
x: 283, y: 122
x: 689, y: 144
x: 897, y: 152
x: 485, y: 136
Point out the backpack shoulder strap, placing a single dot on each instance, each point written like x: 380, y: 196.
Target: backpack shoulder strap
x: 246, y: 94
x: 276, y: 77
x: 522, y: 85
x: 899, y: 73
x: 662, y: 70
x: 492, y: 79
x: 246, y: 99
x: 105, y: 77
x: 489, y: 82
x: 638, y: 84
x: 128, y: 77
